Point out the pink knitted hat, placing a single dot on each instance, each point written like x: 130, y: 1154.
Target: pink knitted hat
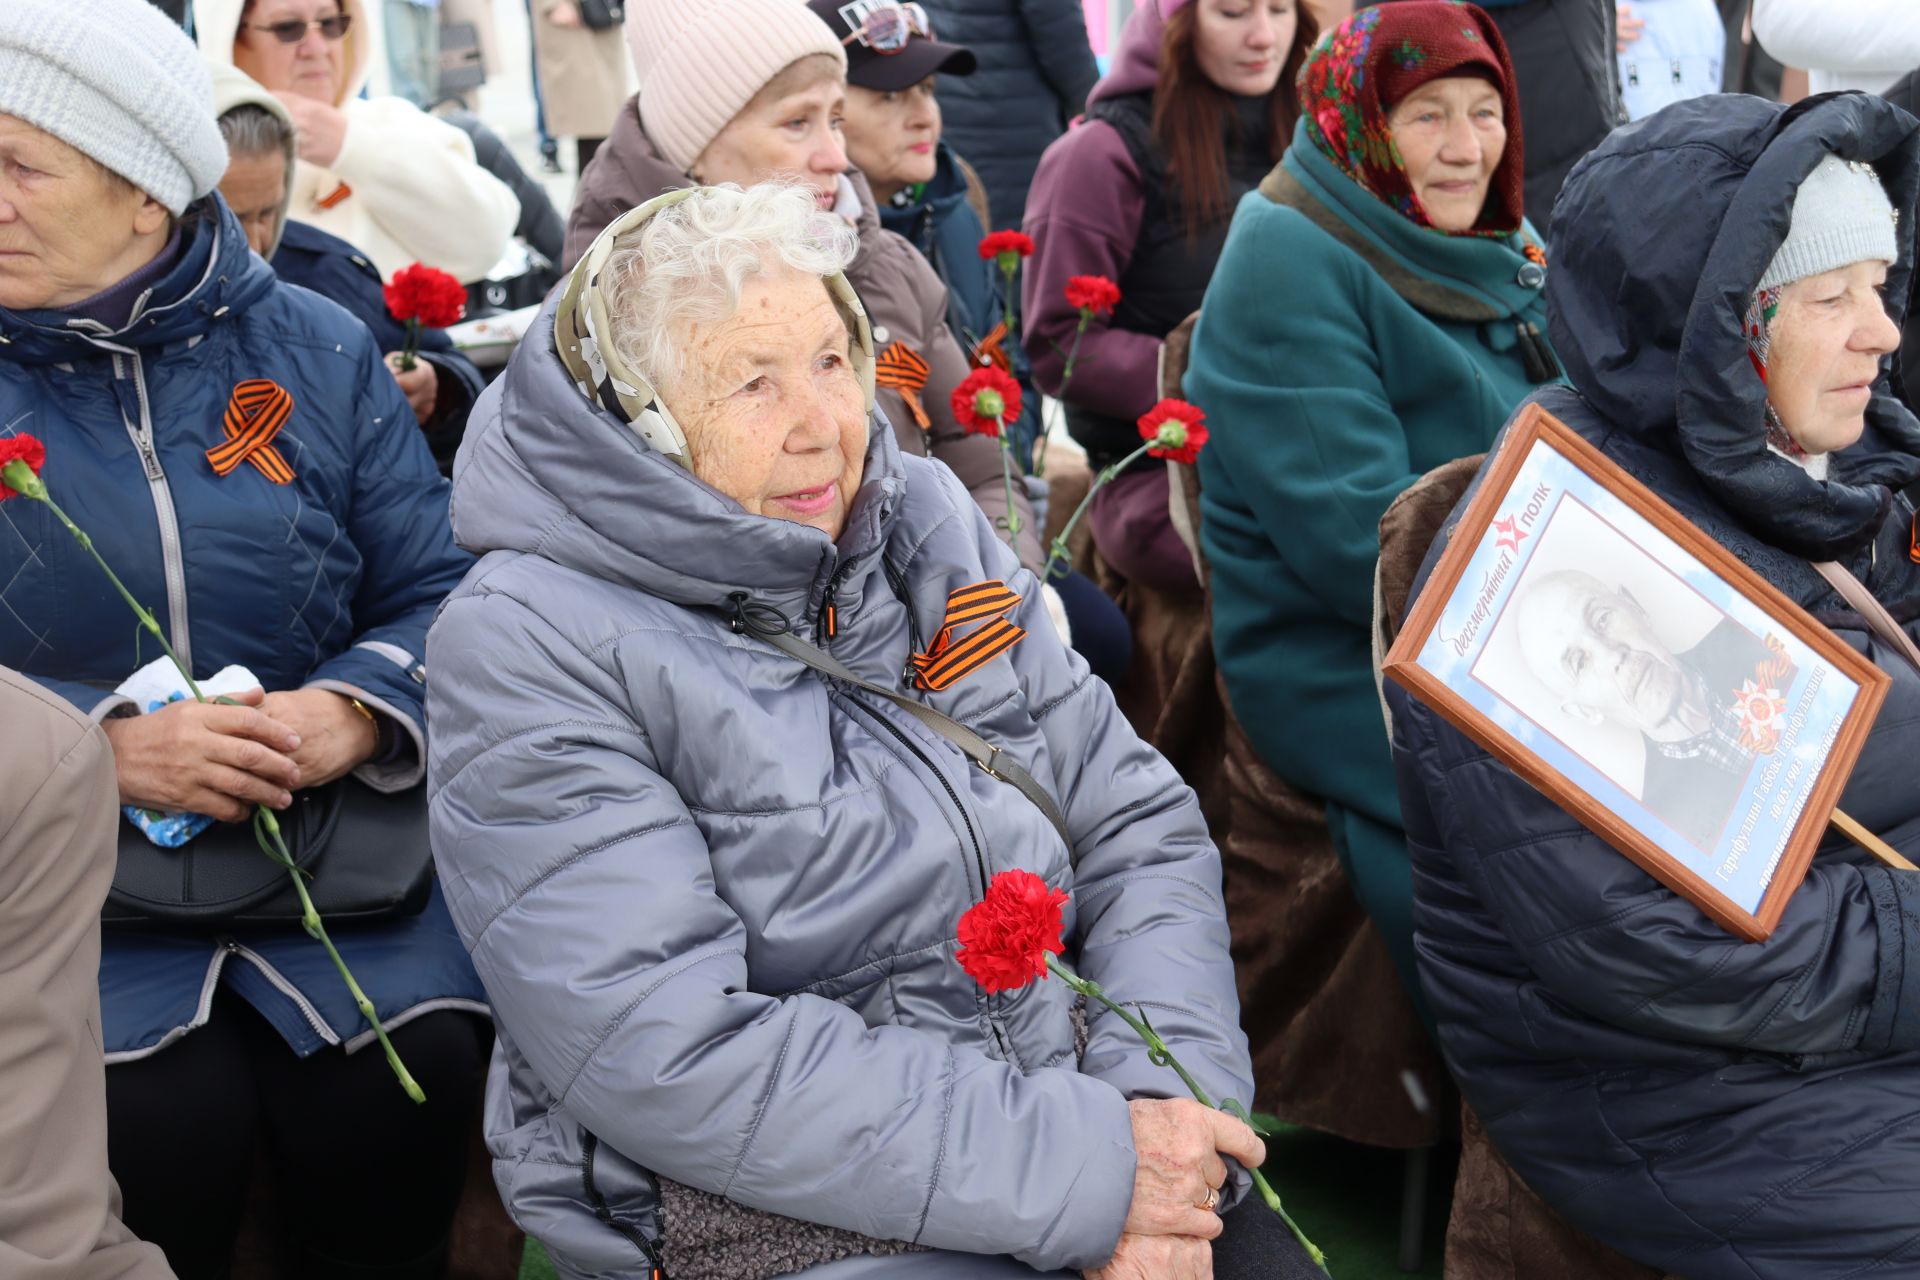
x: 701, y: 61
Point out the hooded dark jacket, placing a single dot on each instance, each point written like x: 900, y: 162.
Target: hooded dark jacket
x: 1714, y: 1108
x: 898, y: 287
x: 1036, y: 68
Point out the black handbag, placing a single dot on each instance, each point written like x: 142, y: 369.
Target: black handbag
x: 602, y: 15
x: 366, y: 854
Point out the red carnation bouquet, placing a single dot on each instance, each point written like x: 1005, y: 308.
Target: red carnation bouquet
x: 1012, y: 937
x: 422, y: 296
x: 21, y: 459
x: 985, y: 403
x: 1172, y: 429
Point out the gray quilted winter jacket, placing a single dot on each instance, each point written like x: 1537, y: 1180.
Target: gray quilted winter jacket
x: 713, y: 896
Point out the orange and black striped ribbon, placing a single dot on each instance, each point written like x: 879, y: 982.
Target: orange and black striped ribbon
x: 948, y: 661
x: 905, y: 371
x: 255, y: 414
x: 993, y: 350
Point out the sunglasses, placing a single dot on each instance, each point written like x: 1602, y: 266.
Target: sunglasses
x: 294, y: 30
x: 888, y: 27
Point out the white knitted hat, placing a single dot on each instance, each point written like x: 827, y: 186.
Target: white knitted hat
x: 115, y: 80
x: 1841, y: 215
x: 700, y: 61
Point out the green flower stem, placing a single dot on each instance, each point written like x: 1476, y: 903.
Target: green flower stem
x: 1058, y: 552
x: 412, y: 345
x: 1006, y: 478
x: 1009, y: 267
x: 1066, y: 376
x: 1160, y: 1055
x: 266, y: 828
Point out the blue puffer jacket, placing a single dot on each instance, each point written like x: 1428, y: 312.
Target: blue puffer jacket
x: 334, y: 269
x: 328, y: 581
x: 1036, y: 69
x: 1718, y: 1109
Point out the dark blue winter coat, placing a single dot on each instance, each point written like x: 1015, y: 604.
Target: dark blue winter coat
x: 1036, y: 69
x: 327, y: 581
x: 1714, y: 1108
x: 334, y: 269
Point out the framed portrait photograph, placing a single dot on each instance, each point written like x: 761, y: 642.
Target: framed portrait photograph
x: 1641, y: 677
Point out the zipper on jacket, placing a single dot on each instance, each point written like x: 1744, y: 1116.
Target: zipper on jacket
x: 589, y: 1145
x: 285, y: 988
x: 167, y: 517
x: 827, y: 625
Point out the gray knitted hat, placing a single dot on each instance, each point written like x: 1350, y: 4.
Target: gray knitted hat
x: 116, y: 81
x: 1841, y: 215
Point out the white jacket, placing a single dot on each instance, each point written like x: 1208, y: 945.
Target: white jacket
x: 405, y: 187
x: 1858, y: 44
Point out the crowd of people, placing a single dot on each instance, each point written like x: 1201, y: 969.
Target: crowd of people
x: 647, y: 714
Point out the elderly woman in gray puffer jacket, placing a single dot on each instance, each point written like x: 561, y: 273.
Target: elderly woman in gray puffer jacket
x: 713, y: 892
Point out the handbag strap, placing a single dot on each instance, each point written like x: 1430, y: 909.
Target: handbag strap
x: 994, y: 762
x: 1855, y: 594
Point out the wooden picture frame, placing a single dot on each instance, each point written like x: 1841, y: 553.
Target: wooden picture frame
x: 1532, y: 638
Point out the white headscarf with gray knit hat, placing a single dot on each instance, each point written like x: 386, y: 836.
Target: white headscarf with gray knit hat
x: 701, y: 61
x: 1841, y: 215
x: 118, y: 82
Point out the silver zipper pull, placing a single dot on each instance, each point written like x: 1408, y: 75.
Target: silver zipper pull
x: 151, y: 461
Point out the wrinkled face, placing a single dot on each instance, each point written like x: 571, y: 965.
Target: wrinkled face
x: 1593, y: 646
x: 891, y: 136
x: 313, y: 68
x: 793, y: 135
x: 1826, y: 343
x: 255, y: 188
x: 774, y: 414
x: 1241, y: 45
x: 68, y: 228
x: 1451, y: 133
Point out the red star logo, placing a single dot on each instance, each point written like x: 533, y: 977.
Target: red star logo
x: 1510, y: 534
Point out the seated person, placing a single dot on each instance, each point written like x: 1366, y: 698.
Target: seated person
x: 443, y: 384
x: 379, y: 173
x: 131, y: 308
x: 714, y: 895
x: 1725, y: 296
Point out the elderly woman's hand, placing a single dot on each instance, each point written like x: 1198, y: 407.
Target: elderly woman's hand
x: 1177, y: 1148
x: 320, y: 127
x: 420, y: 384
x: 1157, y: 1258
x: 334, y: 737
x: 205, y: 757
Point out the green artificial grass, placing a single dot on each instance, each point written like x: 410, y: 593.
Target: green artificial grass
x: 1346, y: 1197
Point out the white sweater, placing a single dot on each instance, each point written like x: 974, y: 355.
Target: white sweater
x: 1842, y: 44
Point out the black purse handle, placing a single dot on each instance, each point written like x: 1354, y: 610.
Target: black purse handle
x: 994, y: 762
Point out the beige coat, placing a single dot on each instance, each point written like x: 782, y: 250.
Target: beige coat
x: 583, y: 75
x: 59, y: 813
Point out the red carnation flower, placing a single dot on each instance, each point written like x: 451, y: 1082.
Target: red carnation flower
x: 1005, y: 937
x: 1095, y: 294
x: 423, y: 295
x: 985, y: 400
x: 17, y: 452
x: 1174, y: 429
x: 996, y: 243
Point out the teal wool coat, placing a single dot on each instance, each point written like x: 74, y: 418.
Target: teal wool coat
x: 1342, y: 352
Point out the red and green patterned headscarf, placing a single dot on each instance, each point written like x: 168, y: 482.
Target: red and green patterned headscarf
x: 1360, y: 69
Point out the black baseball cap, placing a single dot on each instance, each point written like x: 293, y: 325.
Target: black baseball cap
x: 884, y: 72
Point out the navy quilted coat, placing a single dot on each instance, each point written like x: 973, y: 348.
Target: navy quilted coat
x: 330, y: 580
x: 713, y: 895
x: 1719, y: 1109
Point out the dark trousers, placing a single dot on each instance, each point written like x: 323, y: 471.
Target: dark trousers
x: 365, y: 1180
x: 1256, y: 1245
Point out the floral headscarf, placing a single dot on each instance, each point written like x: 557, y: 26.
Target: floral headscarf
x: 1377, y: 57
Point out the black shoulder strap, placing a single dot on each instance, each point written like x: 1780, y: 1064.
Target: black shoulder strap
x: 994, y: 762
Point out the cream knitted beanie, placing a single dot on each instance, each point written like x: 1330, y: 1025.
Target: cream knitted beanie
x: 116, y: 81
x: 700, y: 61
x: 1841, y: 215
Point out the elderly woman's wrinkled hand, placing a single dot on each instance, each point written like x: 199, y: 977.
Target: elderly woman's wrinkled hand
x: 333, y: 737
x: 1157, y: 1258
x: 321, y: 128
x: 1178, y: 1146
x: 205, y: 757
